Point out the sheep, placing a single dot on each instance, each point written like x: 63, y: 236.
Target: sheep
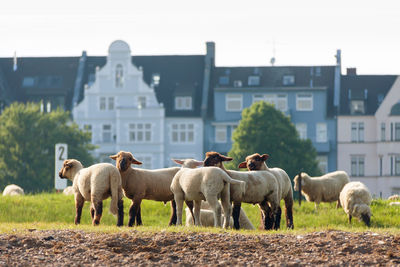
x: 204, y: 184
x: 13, y: 190
x: 394, y: 197
x: 69, y: 190
x: 94, y: 184
x: 325, y: 188
x: 207, y: 218
x: 394, y: 203
x: 262, y: 189
x: 257, y: 162
x: 139, y: 184
x: 355, y: 199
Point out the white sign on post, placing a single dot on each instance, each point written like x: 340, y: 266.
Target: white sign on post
x: 61, y: 155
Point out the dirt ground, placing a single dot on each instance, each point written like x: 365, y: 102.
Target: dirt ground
x: 79, y: 248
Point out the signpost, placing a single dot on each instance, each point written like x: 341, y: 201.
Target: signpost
x: 61, y: 155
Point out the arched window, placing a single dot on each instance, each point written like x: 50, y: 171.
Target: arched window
x: 119, y: 76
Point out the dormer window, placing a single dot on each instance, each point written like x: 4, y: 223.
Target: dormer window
x: 183, y: 102
x: 288, y: 80
x: 223, y: 80
x: 357, y: 107
x: 253, y: 80
x: 141, y: 102
x: 119, y: 76
x: 237, y: 83
x: 155, y: 80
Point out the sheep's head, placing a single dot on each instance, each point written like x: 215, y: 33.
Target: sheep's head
x: 188, y: 163
x: 254, y: 162
x: 363, y: 212
x: 215, y: 159
x: 69, y: 168
x: 123, y: 160
x: 297, y: 181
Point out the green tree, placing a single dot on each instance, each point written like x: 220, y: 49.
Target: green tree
x: 27, y: 144
x: 265, y: 130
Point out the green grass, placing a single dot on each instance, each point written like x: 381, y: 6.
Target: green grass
x: 57, y: 211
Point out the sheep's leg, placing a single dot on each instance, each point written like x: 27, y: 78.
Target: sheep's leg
x: 216, y: 208
x: 178, y: 197
x: 98, y: 211
x: 79, y: 201
x: 278, y: 215
x: 120, y: 221
x: 189, y: 204
x: 91, y: 211
x: 236, y: 215
x: 172, y: 220
x: 289, y: 212
x: 350, y: 218
x: 268, y: 215
x: 197, y: 207
x: 132, y: 214
x: 226, y: 205
x: 338, y: 204
x: 139, y: 214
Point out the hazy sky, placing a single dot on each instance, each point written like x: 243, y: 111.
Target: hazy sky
x: 304, y: 32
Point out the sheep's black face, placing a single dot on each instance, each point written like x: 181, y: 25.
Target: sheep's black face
x: 123, y: 164
x: 124, y: 160
x: 215, y: 159
x: 255, y: 162
x: 366, y: 219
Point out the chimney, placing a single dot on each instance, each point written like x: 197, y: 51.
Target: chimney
x: 351, y: 71
x: 210, y: 46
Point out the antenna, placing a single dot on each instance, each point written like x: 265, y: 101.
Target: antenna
x: 273, y: 59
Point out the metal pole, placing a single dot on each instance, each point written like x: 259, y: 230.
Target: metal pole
x: 300, y: 189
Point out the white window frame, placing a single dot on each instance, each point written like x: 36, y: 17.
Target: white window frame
x: 253, y: 80
x: 357, y: 132
x: 111, y: 103
x: 183, y: 103
x: 276, y: 99
x: 232, y: 98
x: 106, y: 131
x: 302, y: 97
x: 321, y: 132
x: 221, y: 133
x: 323, y: 163
x: 357, y: 165
x: 119, y: 76
x: 102, y: 103
x: 140, y: 132
x: 302, y: 130
x: 288, y: 80
x: 142, y: 102
x: 184, y: 132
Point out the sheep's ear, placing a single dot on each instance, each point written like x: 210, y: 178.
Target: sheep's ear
x: 178, y: 161
x: 199, y: 163
x: 135, y: 161
x: 226, y: 158
x: 243, y: 165
x: 69, y: 164
x: 264, y: 157
x: 114, y: 157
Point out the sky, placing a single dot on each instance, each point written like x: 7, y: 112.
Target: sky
x: 246, y: 33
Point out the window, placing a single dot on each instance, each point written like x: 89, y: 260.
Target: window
x: 182, y: 133
x: 28, y: 82
x: 106, y: 133
x: 119, y: 76
x: 145, y: 160
x: 155, y: 79
x: 380, y: 165
x: 183, y: 102
x: 279, y: 100
x: 302, y: 130
x: 383, y: 131
x: 237, y: 83
x: 102, y: 103
x: 110, y: 103
x: 141, y: 102
x: 357, y: 107
x: 317, y: 71
x: 397, y: 165
x: 323, y: 163
x: 220, y: 133
x: 224, y: 80
x: 288, y: 80
x: 304, y: 102
x: 233, y: 102
x: 322, y: 133
x: 397, y: 131
x: 140, y: 132
x: 88, y: 129
x: 253, y: 80
x: 357, y: 132
x: 357, y: 166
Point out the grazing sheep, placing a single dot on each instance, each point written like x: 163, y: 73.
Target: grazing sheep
x: 262, y: 189
x: 69, y: 190
x: 394, y: 197
x: 355, y: 199
x: 94, y: 184
x: 207, y: 218
x: 204, y: 184
x: 394, y: 204
x: 139, y: 184
x: 257, y: 162
x: 325, y: 188
x: 13, y: 190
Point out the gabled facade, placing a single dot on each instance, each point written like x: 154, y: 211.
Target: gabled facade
x: 303, y: 93
x: 369, y: 131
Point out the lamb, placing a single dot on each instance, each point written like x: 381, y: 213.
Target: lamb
x: 262, y: 189
x: 325, y: 188
x: 139, y: 184
x: 396, y: 203
x: 355, y: 199
x: 13, y: 190
x: 257, y: 162
x: 207, y: 218
x: 205, y: 184
x: 94, y: 184
x: 69, y: 190
x: 394, y: 197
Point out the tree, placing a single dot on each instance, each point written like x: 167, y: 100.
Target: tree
x: 265, y: 130
x: 27, y: 142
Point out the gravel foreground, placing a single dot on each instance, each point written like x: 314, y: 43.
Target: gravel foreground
x: 79, y: 248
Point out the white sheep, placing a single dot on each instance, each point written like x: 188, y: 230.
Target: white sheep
x: 204, y: 184
x: 139, y: 184
x: 394, y: 203
x: 262, y: 189
x: 94, y: 184
x: 355, y: 199
x: 257, y: 162
x: 394, y: 197
x: 13, y: 190
x: 325, y: 188
x: 207, y: 218
x: 69, y: 190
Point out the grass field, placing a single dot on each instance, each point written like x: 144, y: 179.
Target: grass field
x: 57, y: 211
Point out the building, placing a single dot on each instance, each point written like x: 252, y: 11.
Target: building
x: 369, y: 131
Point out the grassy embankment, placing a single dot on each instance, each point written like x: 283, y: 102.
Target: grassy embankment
x: 56, y: 211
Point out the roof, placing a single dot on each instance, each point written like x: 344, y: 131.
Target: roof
x: 370, y: 89
x: 278, y: 78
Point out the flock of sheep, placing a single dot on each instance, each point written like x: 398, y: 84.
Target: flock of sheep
x: 207, y: 190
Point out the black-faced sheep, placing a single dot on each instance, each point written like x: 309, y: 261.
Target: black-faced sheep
x: 325, y: 188
x: 13, y: 190
x: 94, y: 184
x: 355, y: 199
